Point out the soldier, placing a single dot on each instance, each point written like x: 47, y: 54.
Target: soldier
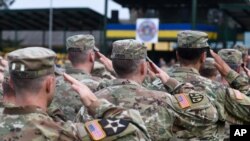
x: 244, y: 52
x: 232, y: 105
x: 32, y: 75
x: 233, y: 58
x: 208, y: 69
x: 164, y: 114
x: 82, y: 57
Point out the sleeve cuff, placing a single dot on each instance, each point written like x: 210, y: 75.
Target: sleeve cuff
x: 171, y: 85
x: 231, y: 76
x: 98, y: 108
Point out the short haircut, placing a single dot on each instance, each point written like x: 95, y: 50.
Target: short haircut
x: 30, y: 85
x: 208, y: 72
x: 126, y: 67
x: 7, y: 90
x: 77, y: 56
x: 190, y: 55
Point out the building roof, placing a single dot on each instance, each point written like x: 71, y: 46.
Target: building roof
x: 38, y: 19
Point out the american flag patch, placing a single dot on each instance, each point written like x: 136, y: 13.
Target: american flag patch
x: 95, y: 130
x: 183, y: 101
x: 238, y: 95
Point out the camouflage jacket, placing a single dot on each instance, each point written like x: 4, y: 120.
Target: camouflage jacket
x: 232, y: 105
x: 100, y: 71
x: 67, y: 99
x: 163, y: 113
x: 32, y: 123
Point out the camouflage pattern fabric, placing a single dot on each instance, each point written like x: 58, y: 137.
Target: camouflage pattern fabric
x: 32, y: 123
x: 242, y: 49
x: 83, y: 42
x: 128, y: 49
x: 100, y: 71
x: 209, y: 63
x: 232, y: 105
x: 161, y: 112
x: 192, y: 39
x: 231, y: 56
x: 67, y: 99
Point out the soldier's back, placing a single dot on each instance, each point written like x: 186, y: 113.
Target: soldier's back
x: 67, y: 99
x: 162, y: 113
x: 31, y: 123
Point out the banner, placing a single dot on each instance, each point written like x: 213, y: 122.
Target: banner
x: 147, y: 30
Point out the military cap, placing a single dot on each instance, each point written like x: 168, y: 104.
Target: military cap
x: 231, y: 56
x: 192, y: 39
x: 242, y: 49
x: 128, y: 49
x: 82, y: 42
x: 209, y: 63
x: 31, y: 62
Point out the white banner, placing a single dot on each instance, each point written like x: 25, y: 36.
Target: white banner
x: 147, y: 30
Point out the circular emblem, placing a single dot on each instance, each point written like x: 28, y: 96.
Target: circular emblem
x: 147, y: 30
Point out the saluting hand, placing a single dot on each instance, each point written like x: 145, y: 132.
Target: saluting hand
x: 87, y: 96
x: 106, y: 62
x: 159, y: 72
x: 220, y: 64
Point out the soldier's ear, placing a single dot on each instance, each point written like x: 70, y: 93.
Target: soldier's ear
x: 143, y: 68
x: 92, y: 57
x: 203, y: 57
x: 50, y: 84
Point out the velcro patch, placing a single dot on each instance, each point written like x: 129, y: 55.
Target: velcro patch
x: 113, y: 126
x: 238, y: 95
x: 196, y: 97
x: 95, y: 130
x: 183, y: 100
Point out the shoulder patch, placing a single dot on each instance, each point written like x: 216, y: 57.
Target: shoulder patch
x: 113, y: 126
x: 238, y: 95
x: 95, y: 130
x: 196, y: 97
x: 182, y: 100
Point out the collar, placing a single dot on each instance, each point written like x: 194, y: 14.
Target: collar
x: 120, y: 81
x: 187, y: 70
x: 15, y: 110
x: 75, y: 71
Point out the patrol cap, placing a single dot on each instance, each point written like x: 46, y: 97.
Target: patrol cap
x: 31, y: 62
x: 209, y: 63
x: 242, y: 49
x: 192, y: 39
x: 128, y: 49
x: 82, y: 42
x: 231, y: 56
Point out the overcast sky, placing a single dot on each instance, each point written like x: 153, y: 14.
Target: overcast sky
x: 97, y: 5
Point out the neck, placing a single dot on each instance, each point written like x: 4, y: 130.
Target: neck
x: 84, y: 67
x: 9, y: 99
x: 195, y: 66
x: 31, y: 99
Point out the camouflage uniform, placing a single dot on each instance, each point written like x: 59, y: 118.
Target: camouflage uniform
x: 33, y: 123
x: 166, y: 116
x: 100, y: 71
x: 233, y: 58
x: 232, y: 105
x: 68, y: 101
x: 244, y: 51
